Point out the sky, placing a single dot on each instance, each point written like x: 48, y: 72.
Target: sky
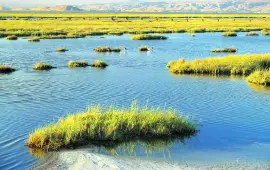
x: 31, y: 3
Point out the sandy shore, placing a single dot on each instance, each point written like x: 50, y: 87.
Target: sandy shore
x: 84, y: 160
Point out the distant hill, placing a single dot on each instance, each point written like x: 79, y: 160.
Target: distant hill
x: 217, y: 6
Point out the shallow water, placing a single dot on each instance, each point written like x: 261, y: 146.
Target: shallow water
x: 235, y: 115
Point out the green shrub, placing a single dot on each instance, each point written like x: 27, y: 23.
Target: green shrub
x: 73, y: 64
x: 148, y: 37
x: 99, y: 124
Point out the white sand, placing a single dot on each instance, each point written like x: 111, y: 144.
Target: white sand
x: 85, y: 160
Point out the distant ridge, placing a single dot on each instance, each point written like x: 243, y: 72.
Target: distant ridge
x: 218, y: 6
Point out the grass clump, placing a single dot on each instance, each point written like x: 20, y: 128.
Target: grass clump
x: 73, y: 64
x: 252, y: 34
x: 261, y: 77
x: 99, y: 124
x: 99, y: 64
x: 35, y: 39
x: 265, y: 32
x: 61, y: 50
x: 224, y: 50
x: 229, y: 34
x: 230, y: 65
x: 42, y: 66
x: 144, y: 48
x: 107, y: 49
x: 12, y: 37
x: 5, y: 69
x: 148, y: 37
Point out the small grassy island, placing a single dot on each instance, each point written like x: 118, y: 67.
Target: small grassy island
x: 61, y: 50
x: 73, y: 64
x: 148, y: 37
x: 35, y: 39
x: 230, y: 65
x: 260, y: 77
x: 265, y: 32
x: 107, y: 49
x: 252, y: 34
x: 144, y: 48
x: 42, y: 66
x: 110, y: 124
x: 99, y: 64
x: 229, y: 34
x: 224, y: 50
x: 5, y: 69
x: 11, y: 37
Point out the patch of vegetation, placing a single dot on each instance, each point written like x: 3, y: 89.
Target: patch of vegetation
x: 5, y: 69
x: 72, y: 64
x: 148, y: 37
x: 230, y: 65
x: 99, y: 64
x: 116, y: 33
x: 229, y: 34
x: 42, y: 66
x: 252, y: 34
x: 261, y: 77
x: 35, y: 39
x: 107, y: 49
x: 61, y: 50
x: 99, y: 124
x: 12, y: 37
x: 144, y: 48
x: 265, y: 32
x: 224, y: 50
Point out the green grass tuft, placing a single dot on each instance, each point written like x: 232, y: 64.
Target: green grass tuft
x: 5, y: 69
x: 230, y: 65
x: 42, y: 66
x: 224, y: 50
x: 229, y: 34
x: 99, y: 124
x: 107, y: 49
x: 73, y: 64
x: 35, y: 39
x: 11, y: 37
x: 144, y: 48
x: 61, y: 50
x: 261, y: 77
x: 99, y: 64
x: 148, y: 37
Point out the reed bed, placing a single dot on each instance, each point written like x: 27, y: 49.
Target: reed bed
x: 224, y: 50
x: 42, y: 66
x: 99, y: 64
x: 148, y: 37
x: 229, y: 34
x: 260, y: 77
x: 230, y: 65
x: 73, y: 64
x: 107, y: 49
x: 5, y: 69
x: 110, y: 124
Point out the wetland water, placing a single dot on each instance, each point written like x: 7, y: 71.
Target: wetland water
x: 235, y: 115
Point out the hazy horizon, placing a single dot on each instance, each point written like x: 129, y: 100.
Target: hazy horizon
x: 31, y: 3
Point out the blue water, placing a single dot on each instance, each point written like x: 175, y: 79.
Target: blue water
x: 234, y: 114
